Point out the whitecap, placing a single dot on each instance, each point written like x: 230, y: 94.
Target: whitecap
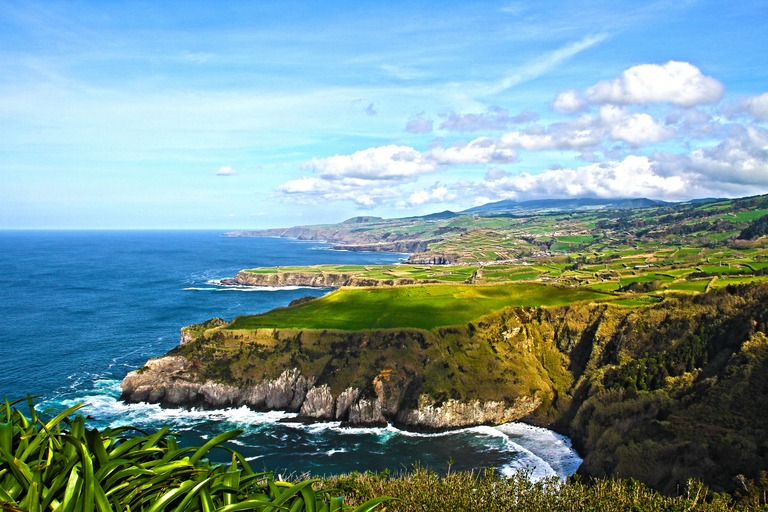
x: 547, y: 445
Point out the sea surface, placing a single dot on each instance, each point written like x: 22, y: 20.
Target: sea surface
x: 80, y: 309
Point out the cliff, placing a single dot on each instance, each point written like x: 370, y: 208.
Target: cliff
x: 289, y: 370
x: 349, y: 236
x: 404, y: 246
x: 659, y: 393
x: 315, y: 279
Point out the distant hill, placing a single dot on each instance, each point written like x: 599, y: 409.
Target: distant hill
x: 576, y: 204
x: 446, y: 214
x: 362, y: 220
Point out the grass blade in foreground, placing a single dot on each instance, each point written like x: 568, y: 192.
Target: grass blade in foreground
x: 61, y: 466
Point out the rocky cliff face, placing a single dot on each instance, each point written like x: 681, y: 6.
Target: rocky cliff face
x: 173, y: 381
x: 376, y: 237
x: 314, y: 279
x: 332, y: 377
x: 404, y: 246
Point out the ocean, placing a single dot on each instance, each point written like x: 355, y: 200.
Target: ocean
x: 80, y: 309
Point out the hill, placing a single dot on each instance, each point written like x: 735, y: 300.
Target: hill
x: 563, y: 205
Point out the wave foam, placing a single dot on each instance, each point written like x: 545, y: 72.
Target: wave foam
x: 539, y: 452
x: 218, y: 287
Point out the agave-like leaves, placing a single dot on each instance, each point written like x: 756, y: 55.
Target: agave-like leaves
x: 60, y: 465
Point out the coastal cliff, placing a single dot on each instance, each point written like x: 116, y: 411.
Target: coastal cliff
x: 658, y: 393
x: 174, y: 381
x: 314, y: 279
x: 362, y: 378
x: 351, y: 237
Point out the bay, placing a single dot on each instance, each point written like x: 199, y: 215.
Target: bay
x: 80, y: 309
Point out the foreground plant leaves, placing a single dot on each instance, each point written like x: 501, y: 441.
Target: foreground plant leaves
x: 62, y: 466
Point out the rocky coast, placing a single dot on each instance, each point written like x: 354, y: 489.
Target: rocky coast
x: 660, y: 393
x: 314, y: 279
x: 173, y: 381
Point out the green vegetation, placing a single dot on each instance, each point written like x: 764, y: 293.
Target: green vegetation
x: 422, y: 490
x: 55, y: 463
x: 418, y: 307
x: 656, y: 390
x: 602, y: 250
x: 641, y: 333
x: 58, y: 464
x: 758, y: 227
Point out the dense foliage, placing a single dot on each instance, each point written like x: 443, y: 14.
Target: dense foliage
x: 682, y: 392
x: 756, y: 228
x: 660, y: 393
x: 58, y: 464
x: 423, y: 490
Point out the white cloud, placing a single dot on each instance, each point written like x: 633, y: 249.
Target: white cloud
x: 380, y: 163
x: 568, y: 102
x: 227, y: 170
x: 577, y: 135
x: 419, y: 125
x: 314, y: 191
x: 438, y: 194
x: 634, y: 176
x: 694, y: 123
x: 680, y: 83
x: 496, y: 118
x: 482, y: 150
x: 636, y: 129
x: 540, y: 66
x: 758, y: 105
x: 739, y: 163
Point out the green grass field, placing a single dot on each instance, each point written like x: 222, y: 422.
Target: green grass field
x: 421, y: 307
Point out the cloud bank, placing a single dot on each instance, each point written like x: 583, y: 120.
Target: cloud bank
x: 652, y: 131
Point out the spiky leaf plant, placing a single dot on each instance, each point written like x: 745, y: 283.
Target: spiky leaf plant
x: 60, y: 465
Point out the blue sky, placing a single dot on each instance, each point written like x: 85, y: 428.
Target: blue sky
x: 249, y: 115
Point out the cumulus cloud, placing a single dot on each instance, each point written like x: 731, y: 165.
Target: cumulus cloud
x: 581, y: 134
x: 419, y: 125
x: 679, y: 83
x: 436, y: 194
x: 380, y: 163
x: 757, y: 105
x: 568, y: 102
x: 496, y: 118
x: 738, y: 164
x: 633, y: 176
x: 694, y: 123
x: 637, y: 129
x: 227, y: 170
x: 607, y: 128
x: 482, y: 150
x: 588, y: 132
x: 363, y: 193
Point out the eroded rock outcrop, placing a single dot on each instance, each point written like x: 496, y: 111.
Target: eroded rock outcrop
x: 173, y: 381
x: 458, y: 414
x: 403, y: 246
x: 319, y: 404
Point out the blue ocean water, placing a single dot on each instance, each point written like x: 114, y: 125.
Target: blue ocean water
x: 80, y: 309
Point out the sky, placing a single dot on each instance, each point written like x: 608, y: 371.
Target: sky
x: 246, y: 115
